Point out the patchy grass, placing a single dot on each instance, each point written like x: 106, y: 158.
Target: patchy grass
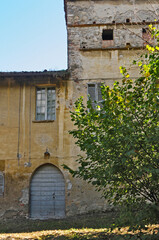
x: 93, y: 227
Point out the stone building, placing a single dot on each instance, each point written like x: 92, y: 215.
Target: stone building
x: 34, y: 109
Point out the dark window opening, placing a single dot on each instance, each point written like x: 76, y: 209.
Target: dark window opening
x: 113, y: 21
x: 107, y: 34
x: 144, y: 30
x: 128, y: 44
x: 127, y: 20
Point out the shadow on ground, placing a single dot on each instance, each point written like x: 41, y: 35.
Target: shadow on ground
x: 94, y: 227
x: 97, y: 221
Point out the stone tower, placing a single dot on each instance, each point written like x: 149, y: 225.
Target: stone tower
x: 105, y: 34
x: 102, y: 36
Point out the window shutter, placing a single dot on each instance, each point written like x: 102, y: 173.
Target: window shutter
x: 1, y: 184
x: 51, y: 104
x: 94, y: 90
x: 99, y: 92
x: 92, y: 93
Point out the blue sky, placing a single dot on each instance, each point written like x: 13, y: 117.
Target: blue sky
x: 32, y: 35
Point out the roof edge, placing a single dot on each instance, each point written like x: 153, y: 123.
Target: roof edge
x: 60, y: 73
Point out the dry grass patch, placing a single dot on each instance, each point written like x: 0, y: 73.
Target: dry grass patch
x: 87, y: 233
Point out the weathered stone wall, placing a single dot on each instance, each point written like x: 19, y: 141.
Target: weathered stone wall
x: 86, y: 52
x: 86, y: 21
x: 91, y: 37
x: 92, y: 59
x: 107, y: 11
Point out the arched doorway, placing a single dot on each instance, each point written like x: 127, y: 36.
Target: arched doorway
x: 47, y: 193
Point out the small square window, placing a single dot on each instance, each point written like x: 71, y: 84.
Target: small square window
x: 107, y: 34
x: 144, y: 30
x: 45, y: 103
x: 127, y: 20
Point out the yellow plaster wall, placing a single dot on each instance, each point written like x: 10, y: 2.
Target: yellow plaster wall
x: 18, y: 123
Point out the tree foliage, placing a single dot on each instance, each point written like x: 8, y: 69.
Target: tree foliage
x: 120, y: 139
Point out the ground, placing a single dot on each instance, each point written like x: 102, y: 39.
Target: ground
x: 92, y: 226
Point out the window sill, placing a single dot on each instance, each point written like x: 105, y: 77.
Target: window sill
x: 43, y: 121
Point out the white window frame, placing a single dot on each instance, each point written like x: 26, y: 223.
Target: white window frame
x: 46, y: 102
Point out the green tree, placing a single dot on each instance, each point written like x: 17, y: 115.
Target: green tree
x: 120, y: 139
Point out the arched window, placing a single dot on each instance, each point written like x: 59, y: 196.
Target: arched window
x: 1, y: 183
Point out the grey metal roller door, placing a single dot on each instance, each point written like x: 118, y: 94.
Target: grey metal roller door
x: 47, y: 193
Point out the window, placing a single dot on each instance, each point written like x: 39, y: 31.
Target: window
x: 1, y: 184
x: 45, y: 103
x: 127, y: 20
x: 144, y: 30
x: 146, y: 36
x: 107, y: 34
x: 94, y: 91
